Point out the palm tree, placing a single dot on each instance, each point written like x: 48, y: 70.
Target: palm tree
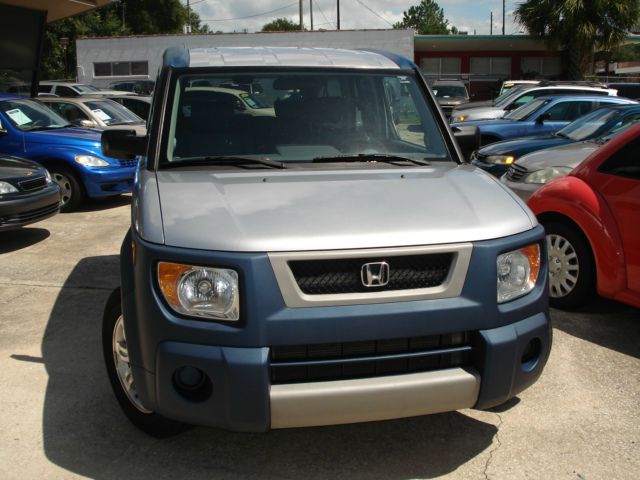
x: 579, y: 27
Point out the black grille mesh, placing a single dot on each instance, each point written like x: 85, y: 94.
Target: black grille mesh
x: 318, y: 277
x: 334, y: 361
x: 33, y: 184
x: 128, y: 163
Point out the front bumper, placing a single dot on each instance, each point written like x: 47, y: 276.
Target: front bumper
x: 237, y: 357
x: 26, y: 208
x: 108, y: 181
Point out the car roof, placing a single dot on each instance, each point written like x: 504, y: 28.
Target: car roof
x: 282, y: 56
x: 600, y: 98
x: 456, y: 83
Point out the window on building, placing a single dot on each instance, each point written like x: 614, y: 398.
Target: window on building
x: 491, y: 66
x: 545, y: 66
x: 438, y: 66
x: 120, y: 69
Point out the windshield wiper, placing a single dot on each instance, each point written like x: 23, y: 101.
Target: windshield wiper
x: 226, y: 160
x: 371, y: 157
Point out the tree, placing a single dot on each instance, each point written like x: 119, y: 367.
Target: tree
x: 426, y: 18
x: 281, y: 25
x: 579, y: 27
x: 125, y: 17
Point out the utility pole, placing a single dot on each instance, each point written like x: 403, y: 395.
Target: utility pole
x: 188, y: 18
x: 300, y: 8
x: 491, y: 24
x: 123, y: 7
x: 311, y: 13
x: 338, y: 21
x: 503, y: 17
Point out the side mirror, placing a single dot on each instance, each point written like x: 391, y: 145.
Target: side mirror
x: 123, y: 144
x: 87, y: 123
x: 542, y: 117
x: 468, y: 138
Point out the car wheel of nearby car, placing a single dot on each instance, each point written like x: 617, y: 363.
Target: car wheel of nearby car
x: 116, y: 355
x: 71, y: 194
x: 571, y: 266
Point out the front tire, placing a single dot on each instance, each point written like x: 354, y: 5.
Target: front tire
x: 71, y: 193
x: 571, y: 266
x: 116, y: 356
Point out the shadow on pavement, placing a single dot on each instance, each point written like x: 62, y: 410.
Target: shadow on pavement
x: 13, y: 240
x: 99, y: 204
x: 85, y: 433
x: 604, y: 322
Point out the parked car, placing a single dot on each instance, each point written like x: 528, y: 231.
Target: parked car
x: 509, y: 84
x: 534, y: 170
x: 627, y: 89
x: 496, y: 157
x: 138, y: 104
x: 29, y: 129
x: 28, y: 194
x: 519, y: 97
x: 100, y: 113
x: 301, y: 269
x: 72, y: 90
x: 239, y: 100
x: 591, y: 218
x: 139, y: 87
x: 450, y: 94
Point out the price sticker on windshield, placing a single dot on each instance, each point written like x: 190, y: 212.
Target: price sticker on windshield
x: 98, y: 112
x: 18, y: 117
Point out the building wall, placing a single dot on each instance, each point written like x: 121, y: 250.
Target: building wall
x: 150, y: 48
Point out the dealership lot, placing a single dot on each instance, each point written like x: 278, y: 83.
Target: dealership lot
x: 60, y: 419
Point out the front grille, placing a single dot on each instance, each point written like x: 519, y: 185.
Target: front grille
x: 374, y: 358
x: 132, y: 162
x: 33, y: 184
x: 30, y: 216
x: 326, y: 277
x: 516, y: 172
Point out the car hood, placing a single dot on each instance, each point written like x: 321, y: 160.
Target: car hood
x: 66, y: 136
x: 521, y: 146
x: 302, y: 210
x: 13, y: 167
x: 570, y: 155
x: 452, y: 100
x: 481, y: 104
x: 480, y: 113
x: 478, y: 123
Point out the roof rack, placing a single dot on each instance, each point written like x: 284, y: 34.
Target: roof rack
x: 585, y: 83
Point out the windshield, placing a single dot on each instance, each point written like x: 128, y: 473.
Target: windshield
x: 29, y: 115
x: 447, y: 91
x: 528, y: 109
x: 85, y: 88
x: 305, y: 117
x: 588, y: 126
x: 112, y: 113
x: 508, y: 95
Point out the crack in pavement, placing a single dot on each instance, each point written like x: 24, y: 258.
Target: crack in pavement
x: 495, y: 449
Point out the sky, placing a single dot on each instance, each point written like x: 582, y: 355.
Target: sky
x: 469, y: 15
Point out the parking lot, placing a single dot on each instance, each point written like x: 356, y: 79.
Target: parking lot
x: 61, y: 421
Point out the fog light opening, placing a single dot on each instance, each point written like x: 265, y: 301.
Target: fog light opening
x: 531, y: 354
x: 192, y: 384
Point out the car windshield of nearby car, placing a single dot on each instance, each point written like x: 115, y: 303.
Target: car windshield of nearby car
x: 448, y: 91
x: 506, y: 97
x: 28, y: 115
x: 112, y: 113
x: 362, y: 116
x: 589, y: 125
x: 85, y: 88
x: 525, y: 111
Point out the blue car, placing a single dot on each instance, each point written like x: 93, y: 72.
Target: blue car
x: 542, y: 116
x: 30, y: 130
x: 497, y: 157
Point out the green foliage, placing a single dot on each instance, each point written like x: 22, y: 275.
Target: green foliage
x: 281, y: 25
x: 426, y: 18
x: 125, y: 17
x: 578, y: 27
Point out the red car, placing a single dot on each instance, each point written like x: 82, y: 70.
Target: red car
x: 592, y: 219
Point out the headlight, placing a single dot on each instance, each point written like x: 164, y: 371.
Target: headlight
x: 500, y: 159
x: 459, y: 118
x: 204, y: 292
x: 547, y: 174
x: 91, y: 161
x: 7, y: 188
x: 48, y: 176
x: 517, y: 272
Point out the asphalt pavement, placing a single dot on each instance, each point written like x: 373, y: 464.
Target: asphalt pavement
x: 59, y: 418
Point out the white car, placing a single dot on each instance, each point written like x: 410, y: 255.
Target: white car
x: 72, y: 89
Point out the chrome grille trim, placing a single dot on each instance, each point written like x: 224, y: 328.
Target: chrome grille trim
x: 295, y: 298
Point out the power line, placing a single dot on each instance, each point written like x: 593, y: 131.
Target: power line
x: 376, y: 14
x: 327, y: 21
x: 248, y: 16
